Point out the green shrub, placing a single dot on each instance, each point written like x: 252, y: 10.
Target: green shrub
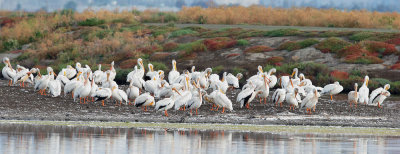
x: 10, y: 44
x: 159, y: 66
x: 361, y: 36
x: 91, y: 22
x: 24, y: 56
x: 120, y: 78
x: 282, y: 32
x: 242, y: 42
x: 308, y: 42
x: 181, y: 32
x: 217, y: 69
x: 332, y: 44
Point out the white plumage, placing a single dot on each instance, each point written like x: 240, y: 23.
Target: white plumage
x: 332, y: 89
x: 364, y: 91
x: 353, y: 96
x: 144, y: 100
x: 119, y: 95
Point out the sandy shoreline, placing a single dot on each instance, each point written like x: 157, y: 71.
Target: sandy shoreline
x: 24, y: 104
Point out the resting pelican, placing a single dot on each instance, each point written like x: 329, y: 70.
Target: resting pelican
x: 132, y: 92
x: 44, y: 82
x: 151, y: 71
x: 109, y: 83
x: 196, y: 101
x: 113, y: 73
x: 375, y: 93
x: 279, y: 96
x: 135, y: 79
x: 364, y: 91
x: 98, y: 75
x: 258, y: 75
x: 151, y: 85
x: 119, y: 95
x: 284, y: 80
x: 68, y: 72
x: 306, y: 82
x: 144, y: 100
x: 310, y: 101
x: 293, y: 99
x: 185, y: 96
x: 55, y: 87
x: 102, y: 94
x: 94, y: 87
x: 173, y: 75
x: 272, y: 78
x: 332, y: 89
x: 247, y: 95
x: 167, y: 103
x: 222, y: 101
x: 264, y: 89
x: 378, y: 100
x: 353, y: 96
x: 233, y: 81
x: 83, y: 90
x: 8, y: 72
x: 71, y: 86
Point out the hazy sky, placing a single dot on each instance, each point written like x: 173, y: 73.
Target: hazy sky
x: 51, y: 5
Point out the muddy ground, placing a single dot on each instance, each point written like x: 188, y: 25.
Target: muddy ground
x: 24, y: 104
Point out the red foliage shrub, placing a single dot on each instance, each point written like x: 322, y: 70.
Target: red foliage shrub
x: 395, y: 66
x: 130, y: 63
x: 6, y: 22
x: 339, y: 75
x: 274, y: 60
x: 219, y: 43
x: 150, y: 49
x: 379, y: 47
x: 160, y: 55
x: 233, y: 55
x: 363, y: 58
x: 258, y: 48
x: 350, y: 50
x: 395, y: 41
x: 170, y: 46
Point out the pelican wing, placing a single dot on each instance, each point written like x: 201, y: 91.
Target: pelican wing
x: 244, y: 93
x: 374, y: 94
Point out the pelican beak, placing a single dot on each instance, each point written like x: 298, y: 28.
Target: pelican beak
x: 174, y: 66
x: 54, y: 74
x: 151, y: 68
x: 9, y: 64
x: 260, y: 70
x: 295, y: 94
x: 291, y: 82
x: 293, y: 74
x: 65, y: 74
x: 174, y: 89
x: 367, y: 81
x: 141, y: 63
x: 386, y: 87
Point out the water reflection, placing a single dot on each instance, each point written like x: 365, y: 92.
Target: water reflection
x: 17, y: 138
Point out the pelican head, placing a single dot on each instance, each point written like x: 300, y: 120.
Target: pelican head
x: 6, y: 61
x: 387, y: 86
x: 69, y: 67
x: 239, y: 76
x: 301, y: 76
x: 174, y: 65
x: 49, y: 70
x: 151, y: 67
x: 336, y: 83
x: 193, y: 68
x: 78, y: 65
x: 260, y: 69
x: 272, y: 71
x: 366, y: 80
x: 112, y: 65
x: 295, y: 70
x: 208, y: 71
x: 140, y: 62
x: 296, y: 91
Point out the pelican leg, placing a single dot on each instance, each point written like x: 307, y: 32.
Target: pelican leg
x: 184, y: 108
x: 80, y: 100
x: 314, y: 108
x: 72, y: 93
x: 223, y: 109
x: 281, y: 104
x: 166, y: 113
x: 290, y: 108
x: 196, y: 111
x: 212, y: 108
x: 379, y: 105
x: 331, y: 98
x: 248, y: 105
x: 260, y: 100
x: 350, y: 103
x: 23, y: 84
x: 217, y: 108
x: 120, y: 102
x: 265, y: 100
x: 190, y: 111
x: 102, y: 103
x: 92, y: 99
x: 129, y: 103
x: 145, y: 108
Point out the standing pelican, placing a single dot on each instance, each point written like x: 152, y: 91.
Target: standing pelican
x: 98, y: 75
x: 102, y: 94
x: 83, y: 90
x: 222, y: 101
x: 378, y: 100
x: 284, y: 80
x: 279, y: 96
x: 272, y: 78
x: 293, y: 99
x: 144, y: 100
x: 196, y: 101
x: 247, y: 95
x: 113, y: 73
x: 8, y: 72
x: 132, y: 92
x: 353, y: 96
x: 55, y: 87
x: 310, y: 101
x: 119, y: 95
x: 364, y: 91
x: 375, y: 93
x: 167, y: 103
x: 173, y: 75
x: 332, y: 89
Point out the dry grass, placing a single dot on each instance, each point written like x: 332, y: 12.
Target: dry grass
x: 289, y: 17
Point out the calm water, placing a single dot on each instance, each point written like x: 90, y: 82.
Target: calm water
x: 18, y: 138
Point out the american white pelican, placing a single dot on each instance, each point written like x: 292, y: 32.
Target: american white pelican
x: 151, y: 73
x: 43, y: 83
x: 258, y: 75
x: 221, y: 100
x: 69, y: 72
x: 83, y: 90
x: 144, y: 100
x: 98, y: 75
x: 197, y: 100
x: 173, y: 75
x: 284, y: 80
x: 247, y: 95
x: 102, y: 94
x: 272, y: 78
x: 151, y: 85
x: 293, y: 99
x: 264, y: 89
x: 21, y: 72
x: 378, y: 100
x: 71, y: 86
x: 141, y: 70
x: 8, y: 72
x: 353, y: 96
x: 109, y: 83
x: 135, y: 79
x: 364, y: 91
x: 310, y: 101
x: 63, y: 79
x: 233, y: 81
x: 279, y: 96
x: 113, y: 73
x: 375, y: 93
x: 119, y: 95
x: 181, y: 100
x: 26, y: 77
x: 306, y: 82
x: 332, y: 89
x: 166, y: 91
x: 167, y: 103
x: 219, y: 84
x: 132, y: 92
x: 55, y: 87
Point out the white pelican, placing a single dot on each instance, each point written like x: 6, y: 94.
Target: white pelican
x: 264, y: 89
x: 221, y: 100
x: 293, y: 99
x: 109, y: 83
x: 306, y: 82
x: 119, y: 95
x: 21, y: 72
x: 113, y: 73
x: 69, y: 72
x: 173, y: 75
x: 247, y: 95
x: 378, y: 100
x: 219, y: 84
x: 98, y: 75
x: 258, y: 75
x: 132, y: 92
x: 43, y: 83
x: 55, y: 87
x: 151, y: 85
x: 272, y: 78
x: 27, y: 77
x: 71, y: 86
x: 8, y: 72
x: 78, y: 67
x: 102, y: 94
x: 310, y: 101
x: 93, y: 87
x: 375, y: 93
x: 166, y: 91
x: 353, y: 96
x: 135, y: 79
x: 144, y: 100
x: 151, y: 73
x: 332, y: 89
x: 196, y: 100
x: 63, y: 79
x: 279, y: 96
x: 141, y: 70
x: 364, y: 91
x: 233, y: 81
x: 83, y: 90
x: 284, y: 80
x: 185, y: 96
x: 167, y: 103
